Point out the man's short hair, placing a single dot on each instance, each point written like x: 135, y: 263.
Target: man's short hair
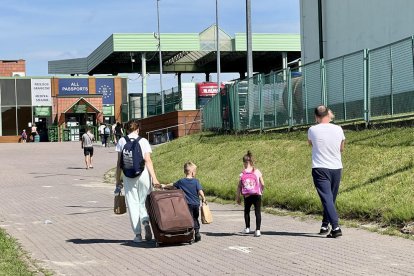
x: 321, y: 111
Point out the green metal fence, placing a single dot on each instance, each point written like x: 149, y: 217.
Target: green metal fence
x: 364, y: 85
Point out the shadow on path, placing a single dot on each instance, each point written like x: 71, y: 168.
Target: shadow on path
x: 264, y: 233
x: 144, y: 244
x: 294, y: 234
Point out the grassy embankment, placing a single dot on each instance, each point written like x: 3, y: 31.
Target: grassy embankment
x: 11, y: 257
x: 377, y: 184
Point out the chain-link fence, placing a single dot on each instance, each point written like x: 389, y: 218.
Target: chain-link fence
x: 361, y: 86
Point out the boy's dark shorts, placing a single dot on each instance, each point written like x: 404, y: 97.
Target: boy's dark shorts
x: 88, y: 151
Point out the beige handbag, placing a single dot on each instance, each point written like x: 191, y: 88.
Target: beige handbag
x: 119, y: 204
x: 206, y: 217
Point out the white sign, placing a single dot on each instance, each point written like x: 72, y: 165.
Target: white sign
x: 41, y: 92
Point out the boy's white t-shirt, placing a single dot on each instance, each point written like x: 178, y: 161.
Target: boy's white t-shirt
x: 326, y: 146
x: 145, y: 146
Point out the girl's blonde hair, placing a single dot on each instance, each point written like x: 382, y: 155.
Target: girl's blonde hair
x: 189, y: 167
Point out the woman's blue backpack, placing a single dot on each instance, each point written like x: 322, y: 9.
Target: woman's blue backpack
x: 132, y: 161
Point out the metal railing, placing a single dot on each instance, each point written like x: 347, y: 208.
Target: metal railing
x: 167, y: 136
x: 361, y: 86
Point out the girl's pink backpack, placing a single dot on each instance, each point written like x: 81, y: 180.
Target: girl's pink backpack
x: 250, y: 184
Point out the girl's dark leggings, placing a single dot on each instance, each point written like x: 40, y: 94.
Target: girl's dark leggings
x: 255, y: 200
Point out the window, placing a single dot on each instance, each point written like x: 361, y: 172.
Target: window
x: 24, y: 93
x: 7, y: 89
x: 8, y: 120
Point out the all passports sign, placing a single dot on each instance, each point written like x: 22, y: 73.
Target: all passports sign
x: 41, y: 92
x: 73, y: 86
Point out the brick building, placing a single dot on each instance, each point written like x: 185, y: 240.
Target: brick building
x: 10, y: 68
x: 61, y: 102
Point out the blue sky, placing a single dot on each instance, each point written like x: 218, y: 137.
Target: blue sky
x: 43, y: 30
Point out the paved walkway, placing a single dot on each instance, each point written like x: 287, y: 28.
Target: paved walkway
x: 62, y: 215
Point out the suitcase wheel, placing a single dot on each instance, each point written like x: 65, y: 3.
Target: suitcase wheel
x: 157, y: 244
x: 190, y: 242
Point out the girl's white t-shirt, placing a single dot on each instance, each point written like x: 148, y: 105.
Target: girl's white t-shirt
x: 145, y: 145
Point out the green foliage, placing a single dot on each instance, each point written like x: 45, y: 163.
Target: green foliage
x: 11, y: 262
x: 377, y: 176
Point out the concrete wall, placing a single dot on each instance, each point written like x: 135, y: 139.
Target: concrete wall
x: 353, y: 25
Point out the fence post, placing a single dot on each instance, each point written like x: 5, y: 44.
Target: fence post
x: 261, y: 111
x: 367, y: 96
x: 344, y: 88
x: 236, y: 112
x: 392, y: 83
x: 290, y: 98
x: 323, y: 82
x: 275, y: 102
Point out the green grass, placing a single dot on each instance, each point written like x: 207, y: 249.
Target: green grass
x: 11, y: 257
x: 377, y: 184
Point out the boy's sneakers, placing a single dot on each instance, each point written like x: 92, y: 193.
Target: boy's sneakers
x: 257, y: 233
x: 197, y: 237
x: 137, y: 239
x: 335, y: 233
x: 148, y: 233
x: 324, y: 230
x: 246, y: 231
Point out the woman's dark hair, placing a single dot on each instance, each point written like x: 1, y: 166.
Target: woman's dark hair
x: 321, y: 111
x: 132, y: 125
x: 248, y: 157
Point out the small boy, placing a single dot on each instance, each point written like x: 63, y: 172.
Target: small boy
x: 192, y: 190
x: 24, y: 136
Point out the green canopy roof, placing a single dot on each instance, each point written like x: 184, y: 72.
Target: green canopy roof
x: 190, y: 52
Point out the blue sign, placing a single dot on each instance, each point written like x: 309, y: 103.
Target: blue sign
x: 105, y: 87
x: 73, y: 86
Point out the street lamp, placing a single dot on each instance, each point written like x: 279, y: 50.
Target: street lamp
x: 249, y: 40
x: 218, y: 47
x: 160, y: 58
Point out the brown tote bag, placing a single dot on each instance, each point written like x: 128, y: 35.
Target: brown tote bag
x: 119, y: 204
x: 206, y: 216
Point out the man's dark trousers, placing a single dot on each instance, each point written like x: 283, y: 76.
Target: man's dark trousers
x: 327, y: 184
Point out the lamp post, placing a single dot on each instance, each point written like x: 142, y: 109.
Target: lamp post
x: 160, y: 57
x: 249, y: 40
x: 218, y: 47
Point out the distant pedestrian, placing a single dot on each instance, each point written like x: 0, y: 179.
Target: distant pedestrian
x: 107, y: 134
x: 101, y: 131
x: 118, y: 132
x: 136, y: 188
x: 87, y: 146
x: 24, y: 136
x: 193, y: 191
x: 327, y: 141
x: 251, y: 185
x: 34, y: 132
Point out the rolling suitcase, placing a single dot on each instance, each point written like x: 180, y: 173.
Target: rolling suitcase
x: 170, y: 217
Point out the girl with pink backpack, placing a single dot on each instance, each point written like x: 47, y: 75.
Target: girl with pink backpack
x: 251, y: 186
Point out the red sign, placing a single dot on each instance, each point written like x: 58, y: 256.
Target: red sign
x: 207, y: 89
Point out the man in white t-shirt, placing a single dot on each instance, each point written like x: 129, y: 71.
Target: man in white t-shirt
x: 101, y: 130
x: 327, y: 141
